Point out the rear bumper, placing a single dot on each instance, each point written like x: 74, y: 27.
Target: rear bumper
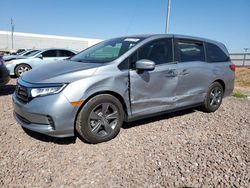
x: 229, y: 88
x: 50, y: 115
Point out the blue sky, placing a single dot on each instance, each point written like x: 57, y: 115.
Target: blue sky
x: 227, y: 21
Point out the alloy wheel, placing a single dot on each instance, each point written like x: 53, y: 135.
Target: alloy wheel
x: 215, y: 97
x: 103, y: 119
x: 22, y: 69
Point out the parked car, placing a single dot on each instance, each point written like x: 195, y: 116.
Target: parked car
x: 4, y: 74
x: 20, y: 51
x: 21, y: 55
x: 123, y: 79
x: 26, y: 53
x: 23, y: 64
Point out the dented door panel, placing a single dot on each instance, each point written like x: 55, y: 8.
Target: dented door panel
x: 153, y: 91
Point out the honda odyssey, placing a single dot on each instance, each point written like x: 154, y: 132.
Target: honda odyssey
x: 123, y: 79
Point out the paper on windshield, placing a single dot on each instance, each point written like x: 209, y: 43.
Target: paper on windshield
x: 131, y: 40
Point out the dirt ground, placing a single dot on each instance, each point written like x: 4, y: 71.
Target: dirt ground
x: 185, y: 149
x: 242, y: 81
x: 243, y: 77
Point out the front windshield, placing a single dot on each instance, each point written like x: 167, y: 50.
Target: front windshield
x: 29, y: 52
x: 107, y: 51
x: 33, y: 53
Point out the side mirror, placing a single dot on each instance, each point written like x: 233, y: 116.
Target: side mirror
x: 40, y: 56
x: 145, y: 64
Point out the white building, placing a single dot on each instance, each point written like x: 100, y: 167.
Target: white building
x: 37, y: 41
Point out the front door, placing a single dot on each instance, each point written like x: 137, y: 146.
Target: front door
x: 153, y: 91
x: 50, y: 56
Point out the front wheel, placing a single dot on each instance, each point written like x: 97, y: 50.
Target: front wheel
x: 213, y: 98
x: 100, y: 119
x: 22, y: 68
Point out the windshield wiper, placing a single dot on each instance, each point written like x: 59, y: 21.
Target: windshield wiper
x: 77, y: 60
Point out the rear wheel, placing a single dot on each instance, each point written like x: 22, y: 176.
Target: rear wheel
x: 213, y: 98
x: 22, y: 68
x: 100, y: 119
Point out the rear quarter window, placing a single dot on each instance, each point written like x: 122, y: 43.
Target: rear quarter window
x: 65, y: 53
x: 215, y: 53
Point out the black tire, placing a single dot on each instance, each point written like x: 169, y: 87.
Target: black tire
x: 20, y: 69
x: 213, y: 98
x: 94, y: 122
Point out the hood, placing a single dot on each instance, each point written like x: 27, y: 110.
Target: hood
x: 12, y: 57
x: 65, y: 71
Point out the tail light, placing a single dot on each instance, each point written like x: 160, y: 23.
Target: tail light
x: 232, y: 67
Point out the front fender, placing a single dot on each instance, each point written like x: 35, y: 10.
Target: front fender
x: 85, y: 88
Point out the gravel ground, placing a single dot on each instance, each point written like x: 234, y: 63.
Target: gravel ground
x: 184, y: 149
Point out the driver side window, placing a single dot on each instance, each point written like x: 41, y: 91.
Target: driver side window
x: 50, y: 53
x: 160, y: 51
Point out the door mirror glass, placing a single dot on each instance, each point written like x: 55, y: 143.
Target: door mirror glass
x: 145, y: 64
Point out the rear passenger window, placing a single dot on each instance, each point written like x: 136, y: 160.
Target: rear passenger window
x: 215, y: 53
x: 159, y: 51
x: 65, y: 53
x: 190, y: 51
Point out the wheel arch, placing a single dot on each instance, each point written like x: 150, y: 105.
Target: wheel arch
x: 21, y: 64
x: 222, y: 83
x: 114, y: 94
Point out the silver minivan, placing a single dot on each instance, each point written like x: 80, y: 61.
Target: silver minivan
x: 123, y: 79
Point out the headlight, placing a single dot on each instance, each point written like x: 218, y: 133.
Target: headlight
x: 35, y: 92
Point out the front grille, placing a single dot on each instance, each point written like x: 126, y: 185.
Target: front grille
x: 22, y: 93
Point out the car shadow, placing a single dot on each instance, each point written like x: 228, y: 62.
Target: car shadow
x: 72, y: 140
x: 45, y: 138
x: 158, y: 118
x: 7, y: 89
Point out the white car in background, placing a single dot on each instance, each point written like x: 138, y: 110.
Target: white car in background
x: 17, y: 67
x: 18, y: 56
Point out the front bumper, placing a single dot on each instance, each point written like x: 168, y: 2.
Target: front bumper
x: 51, y: 115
